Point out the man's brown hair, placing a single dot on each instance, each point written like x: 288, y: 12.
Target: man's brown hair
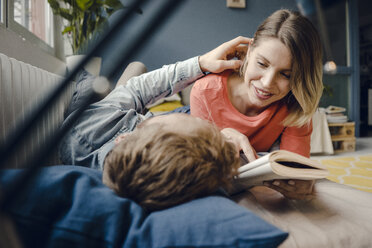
x: 159, y: 168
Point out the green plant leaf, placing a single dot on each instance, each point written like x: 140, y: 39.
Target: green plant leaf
x: 86, y: 19
x: 65, y: 13
x: 84, y: 5
x: 54, y: 5
x: 67, y: 29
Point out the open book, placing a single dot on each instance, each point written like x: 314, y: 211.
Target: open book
x: 278, y: 164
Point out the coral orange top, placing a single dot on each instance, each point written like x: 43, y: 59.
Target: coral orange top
x: 209, y: 100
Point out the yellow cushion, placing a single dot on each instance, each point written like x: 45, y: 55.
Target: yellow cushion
x: 166, y: 106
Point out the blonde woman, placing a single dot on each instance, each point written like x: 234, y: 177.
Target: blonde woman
x: 273, y: 97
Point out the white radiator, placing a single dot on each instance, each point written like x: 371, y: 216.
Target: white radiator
x: 21, y: 86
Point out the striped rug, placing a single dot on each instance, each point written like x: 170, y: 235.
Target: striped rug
x: 353, y: 171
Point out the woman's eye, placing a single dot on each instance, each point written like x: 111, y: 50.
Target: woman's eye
x: 286, y: 76
x: 261, y: 64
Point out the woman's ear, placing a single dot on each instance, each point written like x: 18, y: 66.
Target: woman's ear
x: 245, y: 62
x: 250, y: 48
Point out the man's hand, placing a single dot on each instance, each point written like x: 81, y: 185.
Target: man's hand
x: 219, y: 59
x: 293, y: 189
x: 241, y: 143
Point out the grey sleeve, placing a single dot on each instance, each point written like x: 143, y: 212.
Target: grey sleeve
x: 152, y: 86
x: 87, y: 143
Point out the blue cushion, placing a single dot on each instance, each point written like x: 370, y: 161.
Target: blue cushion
x: 68, y: 206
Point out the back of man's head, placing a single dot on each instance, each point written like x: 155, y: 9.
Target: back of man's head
x: 158, y: 168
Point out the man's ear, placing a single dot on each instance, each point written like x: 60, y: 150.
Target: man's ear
x: 120, y: 138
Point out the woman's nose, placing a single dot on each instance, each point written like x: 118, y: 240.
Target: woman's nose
x: 268, y: 79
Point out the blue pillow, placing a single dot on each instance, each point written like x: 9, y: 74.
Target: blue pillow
x: 68, y: 206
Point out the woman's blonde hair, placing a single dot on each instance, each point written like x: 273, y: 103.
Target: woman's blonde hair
x: 158, y: 168
x: 300, y: 36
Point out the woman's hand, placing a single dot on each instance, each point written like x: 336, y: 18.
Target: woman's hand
x: 241, y: 142
x: 293, y: 189
x: 219, y: 59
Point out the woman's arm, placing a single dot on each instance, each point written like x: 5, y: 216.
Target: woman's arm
x: 297, y: 139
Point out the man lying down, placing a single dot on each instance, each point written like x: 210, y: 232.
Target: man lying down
x: 160, y: 161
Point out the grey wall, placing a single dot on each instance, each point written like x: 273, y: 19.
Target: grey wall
x: 197, y: 27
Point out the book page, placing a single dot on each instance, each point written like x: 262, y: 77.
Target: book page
x: 262, y: 160
x: 253, y: 177
x: 257, y: 175
x: 279, y: 164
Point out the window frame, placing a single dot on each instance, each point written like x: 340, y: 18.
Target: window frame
x: 14, y: 26
x: 2, y: 13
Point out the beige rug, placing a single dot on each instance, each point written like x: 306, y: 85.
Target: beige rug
x: 354, y: 171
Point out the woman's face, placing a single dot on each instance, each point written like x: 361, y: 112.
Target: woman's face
x: 268, y: 73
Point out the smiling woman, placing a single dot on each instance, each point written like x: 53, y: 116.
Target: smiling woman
x: 275, y: 94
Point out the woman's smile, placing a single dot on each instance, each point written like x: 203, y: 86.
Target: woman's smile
x: 262, y: 94
x: 267, y: 75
